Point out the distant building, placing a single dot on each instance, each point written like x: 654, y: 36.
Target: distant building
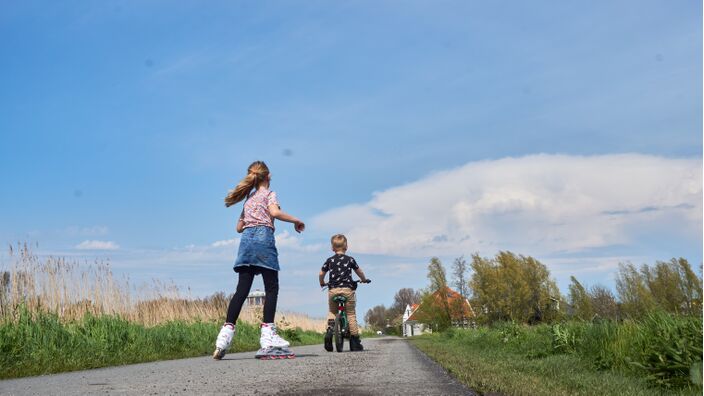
x: 256, y: 298
x: 461, y: 312
x: 411, y: 326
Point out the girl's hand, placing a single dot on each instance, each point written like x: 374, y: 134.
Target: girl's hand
x: 299, y: 226
x: 240, y: 225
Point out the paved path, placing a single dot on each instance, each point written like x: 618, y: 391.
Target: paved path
x: 388, y: 366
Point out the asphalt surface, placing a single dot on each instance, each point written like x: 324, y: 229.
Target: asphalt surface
x: 387, y: 366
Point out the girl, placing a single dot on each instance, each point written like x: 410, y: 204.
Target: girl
x: 257, y: 255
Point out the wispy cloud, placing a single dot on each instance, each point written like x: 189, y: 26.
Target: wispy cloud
x: 86, y: 231
x: 538, y: 204
x: 287, y: 241
x: 97, y: 245
x: 225, y: 243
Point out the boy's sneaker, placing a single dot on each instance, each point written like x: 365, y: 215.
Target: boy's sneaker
x: 269, y: 338
x: 328, y: 336
x: 328, y: 340
x: 224, y: 340
x: 356, y: 344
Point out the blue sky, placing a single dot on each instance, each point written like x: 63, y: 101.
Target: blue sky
x: 124, y: 124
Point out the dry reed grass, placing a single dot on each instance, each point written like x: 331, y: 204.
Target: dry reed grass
x: 71, y: 290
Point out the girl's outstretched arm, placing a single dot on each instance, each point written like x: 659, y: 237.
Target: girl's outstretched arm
x: 279, y: 214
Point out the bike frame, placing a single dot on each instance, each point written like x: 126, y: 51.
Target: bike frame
x: 342, y: 314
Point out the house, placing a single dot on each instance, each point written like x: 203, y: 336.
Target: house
x: 256, y: 298
x: 415, y: 316
x: 411, y: 326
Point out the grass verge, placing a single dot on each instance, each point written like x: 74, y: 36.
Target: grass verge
x: 573, y: 359
x: 39, y: 343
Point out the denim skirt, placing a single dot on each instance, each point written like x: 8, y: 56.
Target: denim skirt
x: 257, y: 248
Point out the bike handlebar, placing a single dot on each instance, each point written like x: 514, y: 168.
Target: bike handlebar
x: 325, y: 286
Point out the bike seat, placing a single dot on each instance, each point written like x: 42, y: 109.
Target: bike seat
x: 339, y: 299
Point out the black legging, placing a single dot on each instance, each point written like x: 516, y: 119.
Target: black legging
x: 271, y: 287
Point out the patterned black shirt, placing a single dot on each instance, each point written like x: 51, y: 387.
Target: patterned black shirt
x: 340, y: 267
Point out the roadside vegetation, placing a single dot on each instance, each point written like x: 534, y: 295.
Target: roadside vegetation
x: 526, y: 338
x: 658, y: 354
x: 57, y: 315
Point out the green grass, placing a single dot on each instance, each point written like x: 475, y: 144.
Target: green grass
x: 659, y: 355
x: 41, y: 344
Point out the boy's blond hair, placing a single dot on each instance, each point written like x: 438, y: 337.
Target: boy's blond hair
x: 339, y: 242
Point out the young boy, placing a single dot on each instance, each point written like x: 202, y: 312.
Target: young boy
x: 340, y: 267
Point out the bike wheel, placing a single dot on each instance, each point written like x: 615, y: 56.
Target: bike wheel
x: 338, y: 334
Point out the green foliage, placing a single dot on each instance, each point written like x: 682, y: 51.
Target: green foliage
x: 436, y: 275
x: 662, y: 347
x: 434, y: 307
x: 434, y: 310
x: 668, y: 348
x: 603, y: 303
x: 508, y: 331
x: 38, y: 343
x: 564, y: 338
x: 513, y: 288
x: 580, y: 300
x: 661, y: 352
x: 393, y: 330
x: 376, y: 317
x: 459, y: 281
x: 291, y: 335
x: 389, y: 319
x: 485, y: 363
x: 405, y: 296
x: 669, y: 286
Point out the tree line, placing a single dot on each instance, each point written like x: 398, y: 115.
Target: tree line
x: 512, y: 287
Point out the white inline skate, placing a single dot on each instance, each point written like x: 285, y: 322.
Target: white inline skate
x: 227, y: 332
x: 272, y: 345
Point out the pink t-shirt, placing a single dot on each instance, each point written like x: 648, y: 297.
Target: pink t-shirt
x: 256, y: 209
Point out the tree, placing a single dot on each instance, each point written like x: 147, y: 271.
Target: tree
x: 580, y: 300
x: 603, y: 302
x: 511, y: 287
x: 436, y: 275
x: 435, y: 307
x: 669, y: 286
x: 459, y: 269
x: 691, y: 286
x: 633, y: 292
x: 405, y: 296
x: 376, y: 317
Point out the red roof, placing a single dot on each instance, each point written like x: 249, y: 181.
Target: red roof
x: 460, y: 307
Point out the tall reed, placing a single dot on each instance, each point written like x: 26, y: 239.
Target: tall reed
x: 71, y: 289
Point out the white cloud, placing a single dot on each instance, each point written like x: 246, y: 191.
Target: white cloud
x: 536, y: 205
x: 287, y: 241
x: 226, y: 242
x: 97, y: 245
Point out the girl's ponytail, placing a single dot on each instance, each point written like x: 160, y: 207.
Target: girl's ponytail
x: 257, y: 173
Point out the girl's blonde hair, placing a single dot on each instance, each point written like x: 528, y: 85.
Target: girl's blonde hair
x: 257, y: 173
